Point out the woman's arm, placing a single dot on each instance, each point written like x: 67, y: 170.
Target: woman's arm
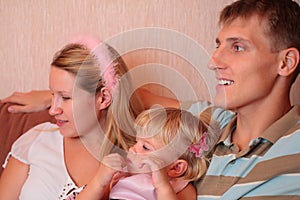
x: 12, y: 179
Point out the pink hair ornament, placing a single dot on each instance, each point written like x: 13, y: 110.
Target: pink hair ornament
x: 199, y: 147
x: 105, y: 59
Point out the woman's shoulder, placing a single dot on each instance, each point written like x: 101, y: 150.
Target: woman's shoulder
x: 35, y: 138
x: 39, y: 130
x: 38, y: 135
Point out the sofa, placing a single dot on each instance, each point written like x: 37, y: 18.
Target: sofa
x: 14, y: 125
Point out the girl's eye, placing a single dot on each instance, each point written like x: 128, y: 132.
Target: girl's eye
x: 146, y: 148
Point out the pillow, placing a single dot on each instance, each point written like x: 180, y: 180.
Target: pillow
x: 14, y: 125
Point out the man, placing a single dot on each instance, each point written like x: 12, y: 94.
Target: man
x: 256, y: 62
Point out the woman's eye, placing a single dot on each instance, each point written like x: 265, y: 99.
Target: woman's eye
x: 66, y: 98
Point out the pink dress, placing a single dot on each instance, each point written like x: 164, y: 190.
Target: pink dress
x: 139, y: 187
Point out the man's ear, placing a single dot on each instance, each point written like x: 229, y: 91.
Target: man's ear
x: 178, y: 168
x: 104, y: 99
x: 290, y: 60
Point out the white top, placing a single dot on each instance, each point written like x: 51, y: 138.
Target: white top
x: 42, y: 149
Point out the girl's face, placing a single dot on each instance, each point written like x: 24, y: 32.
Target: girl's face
x: 72, y: 107
x: 146, y: 145
x: 145, y: 151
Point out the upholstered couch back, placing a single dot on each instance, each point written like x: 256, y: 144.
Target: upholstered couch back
x: 14, y: 125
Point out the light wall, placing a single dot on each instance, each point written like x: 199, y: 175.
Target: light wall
x: 33, y: 30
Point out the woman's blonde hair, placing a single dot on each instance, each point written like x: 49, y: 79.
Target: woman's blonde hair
x: 176, y: 124
x: 85, y: 64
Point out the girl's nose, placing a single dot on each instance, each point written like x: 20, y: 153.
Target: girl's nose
x: 132, y: 149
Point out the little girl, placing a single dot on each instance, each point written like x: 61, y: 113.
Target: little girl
x: 169, y: 154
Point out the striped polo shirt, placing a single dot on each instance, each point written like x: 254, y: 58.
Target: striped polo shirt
x: 268, y: 169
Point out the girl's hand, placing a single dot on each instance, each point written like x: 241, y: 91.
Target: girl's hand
x: 159, y: 174
x: 160, y: 178
x: 99, y: 186
x: 111, y: 166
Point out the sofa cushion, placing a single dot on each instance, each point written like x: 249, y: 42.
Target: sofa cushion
x: 14, y: 125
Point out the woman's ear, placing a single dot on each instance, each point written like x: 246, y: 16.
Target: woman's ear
x: 104, y: 99
x: 178, y: 168
x: 290, y: 60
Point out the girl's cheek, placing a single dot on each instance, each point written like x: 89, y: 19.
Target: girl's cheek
x: 134, y: 163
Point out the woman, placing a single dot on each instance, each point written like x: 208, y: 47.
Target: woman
x: 90, y: 95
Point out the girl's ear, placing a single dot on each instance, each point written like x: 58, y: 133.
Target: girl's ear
x: 178, y: 168
x: 290, y: 60
x: 104, y: 99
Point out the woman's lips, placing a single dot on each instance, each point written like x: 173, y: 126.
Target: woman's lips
x: 61, y: 122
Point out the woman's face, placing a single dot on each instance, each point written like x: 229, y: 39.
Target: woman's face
x: 72, y: 107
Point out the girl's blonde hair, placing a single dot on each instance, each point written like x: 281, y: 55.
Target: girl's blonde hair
x: 166, y: 123
x: 84, y: 63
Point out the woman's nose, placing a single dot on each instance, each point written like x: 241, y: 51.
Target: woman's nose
x: 55, y: 110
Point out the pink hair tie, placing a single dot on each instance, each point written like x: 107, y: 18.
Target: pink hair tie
x: 105, y: 59
x: 199, y: 147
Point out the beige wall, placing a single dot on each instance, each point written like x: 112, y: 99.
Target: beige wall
x: 32, y: 31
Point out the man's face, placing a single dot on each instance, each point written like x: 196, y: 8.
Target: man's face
x: 244, y: 64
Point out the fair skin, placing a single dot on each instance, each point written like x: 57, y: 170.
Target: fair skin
x: 161, y: 174
x: 258, y: 80
x: 80, y: 163
x: 139, y: 160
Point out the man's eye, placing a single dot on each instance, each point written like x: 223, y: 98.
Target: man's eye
x: 238, y: 48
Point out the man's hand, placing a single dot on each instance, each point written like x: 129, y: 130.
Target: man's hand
x: 26, y: 102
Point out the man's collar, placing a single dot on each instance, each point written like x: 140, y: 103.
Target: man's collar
x: 279, y: 128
